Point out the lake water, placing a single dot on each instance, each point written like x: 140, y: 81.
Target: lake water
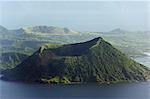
x: 12, y: 90
x: 144, y: 60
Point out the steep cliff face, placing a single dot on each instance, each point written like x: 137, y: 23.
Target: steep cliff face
x: 91, y: 61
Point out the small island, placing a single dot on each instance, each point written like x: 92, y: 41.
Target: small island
x: 91, y: 61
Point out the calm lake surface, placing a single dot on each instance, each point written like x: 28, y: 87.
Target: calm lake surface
x: 12, y: 90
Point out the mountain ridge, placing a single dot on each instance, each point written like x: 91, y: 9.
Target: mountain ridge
x: 92, y: 61
x: 119, y: 30
x: 48, y: 29
x: 40, y: 29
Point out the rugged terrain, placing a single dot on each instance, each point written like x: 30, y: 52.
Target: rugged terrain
x: 92, y: 61
x: 27, y: 40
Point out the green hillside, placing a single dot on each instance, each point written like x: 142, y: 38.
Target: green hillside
x: 28, y: 39
x: 11, y: 59
x: 91, y: 61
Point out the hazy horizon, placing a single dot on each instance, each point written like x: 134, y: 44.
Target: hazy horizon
x: 80, y: 16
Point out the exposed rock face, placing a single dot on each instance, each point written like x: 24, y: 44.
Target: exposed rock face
x: 91, y: 61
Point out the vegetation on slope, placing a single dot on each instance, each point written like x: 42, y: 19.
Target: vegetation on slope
x: 91, y: 61
x: 11, y: 59
x: 27, y: 40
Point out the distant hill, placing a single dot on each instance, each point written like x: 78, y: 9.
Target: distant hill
x: 92, y: 61
x: 132, y: 43
x: 50, y: 30
x: 118, y: 30
x: 40, y: 29
x: 29, y: 39
x: 3, y: 30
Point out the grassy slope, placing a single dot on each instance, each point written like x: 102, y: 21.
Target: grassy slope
x: 11, y: 59
x: 93, y: 61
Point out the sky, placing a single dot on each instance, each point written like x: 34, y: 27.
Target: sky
x: 78, y: 15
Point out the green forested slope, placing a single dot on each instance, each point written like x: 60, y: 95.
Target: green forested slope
x: 11, y: 59
x: 91, y: 61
